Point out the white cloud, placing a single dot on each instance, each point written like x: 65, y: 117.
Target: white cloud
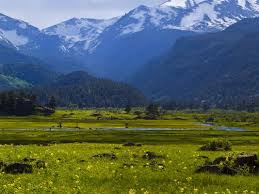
x: 43, y: 13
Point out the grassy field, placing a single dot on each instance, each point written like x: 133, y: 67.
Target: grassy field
x: 117, y: 118
x: 99, y: 119
x: 70, y: 167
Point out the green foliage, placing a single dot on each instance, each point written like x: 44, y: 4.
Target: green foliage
x: 208, y: 70
x: 8, y: 83
x: 82, y: 90
x: 217, y: 145
x: 152, y: 111
x: 128, y: 109
x: 20, y: 104
x: 52, y: 102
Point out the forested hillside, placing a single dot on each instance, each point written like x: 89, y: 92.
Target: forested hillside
x: 216, y: 67
x: 79, y: 89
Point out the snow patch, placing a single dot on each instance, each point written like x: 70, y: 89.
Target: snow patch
x: 80, y: 30
x: 198, y: 14
x: 14, y: 38
x: 181, y: 3
x: 138, y: 25
x: 23, y: 25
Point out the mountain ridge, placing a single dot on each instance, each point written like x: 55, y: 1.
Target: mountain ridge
x: 106, y: 47
x: 216, y: 67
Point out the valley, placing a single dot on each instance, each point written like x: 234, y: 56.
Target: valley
x: 161, y: 98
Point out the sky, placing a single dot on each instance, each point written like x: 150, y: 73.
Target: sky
x: 44, y: 13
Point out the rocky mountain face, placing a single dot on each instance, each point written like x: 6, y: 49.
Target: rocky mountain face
x: 119, y: 47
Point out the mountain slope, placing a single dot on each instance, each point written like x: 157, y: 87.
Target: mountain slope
x: 31, y: 73
x: 81, y: 33
x: 30, y: 41
x: 83, y: 90
x: 119, y: 47
x: 148, y: 32
x: 10, y: 83
x: 9, y: 55
x: 214, y: 67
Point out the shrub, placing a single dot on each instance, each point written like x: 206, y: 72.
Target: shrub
x: 217, y: 145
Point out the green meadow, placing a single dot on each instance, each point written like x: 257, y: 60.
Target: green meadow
x: 118, y: 118
x: 84, y: 157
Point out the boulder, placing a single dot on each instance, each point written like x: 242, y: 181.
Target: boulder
x: 209, y: 168
x: 229, y: 171
x: 106, y: 155
x: 246, y: 159
x: 129, y: 144
x: 18, y: 168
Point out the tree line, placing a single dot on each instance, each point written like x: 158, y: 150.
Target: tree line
x: 21, y: 104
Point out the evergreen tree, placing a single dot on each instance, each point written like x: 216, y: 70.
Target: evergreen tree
x: 52, y: 102
x: 128, y: 109
x: 152, y: 111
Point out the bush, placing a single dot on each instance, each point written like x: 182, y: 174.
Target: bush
x: 217, y: 145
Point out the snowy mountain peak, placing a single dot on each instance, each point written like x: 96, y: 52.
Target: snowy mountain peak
x: 80, y: 29
x: 184, y: 4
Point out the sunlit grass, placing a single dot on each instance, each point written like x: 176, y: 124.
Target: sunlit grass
x: 71, y: 169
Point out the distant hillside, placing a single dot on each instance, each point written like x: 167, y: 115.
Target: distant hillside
x: 7, y: 83
x: 213, y: 67
x: 81, y: 89
x: 9, y: 55
x: 31, y: 73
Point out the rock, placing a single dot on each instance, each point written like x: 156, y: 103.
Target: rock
x: 246, y: 159
x: 229, y: 171
x: 40, y: 164
x: 106, y: 155
x: 129, y: 144
x: 209, y: 168
x: 18, y: 168
x: 27, y: 159
x: 151, y: 155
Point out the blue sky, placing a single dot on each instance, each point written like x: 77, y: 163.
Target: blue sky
x: 44, y: 13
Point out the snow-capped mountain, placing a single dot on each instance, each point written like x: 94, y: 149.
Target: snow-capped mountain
x: 147, y: 32
x: 211, y: 15
x: 82, y: 30
x: 119, y: 46
x: 192, y: 15
x: 16, y: 32
x: 31, y: 41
